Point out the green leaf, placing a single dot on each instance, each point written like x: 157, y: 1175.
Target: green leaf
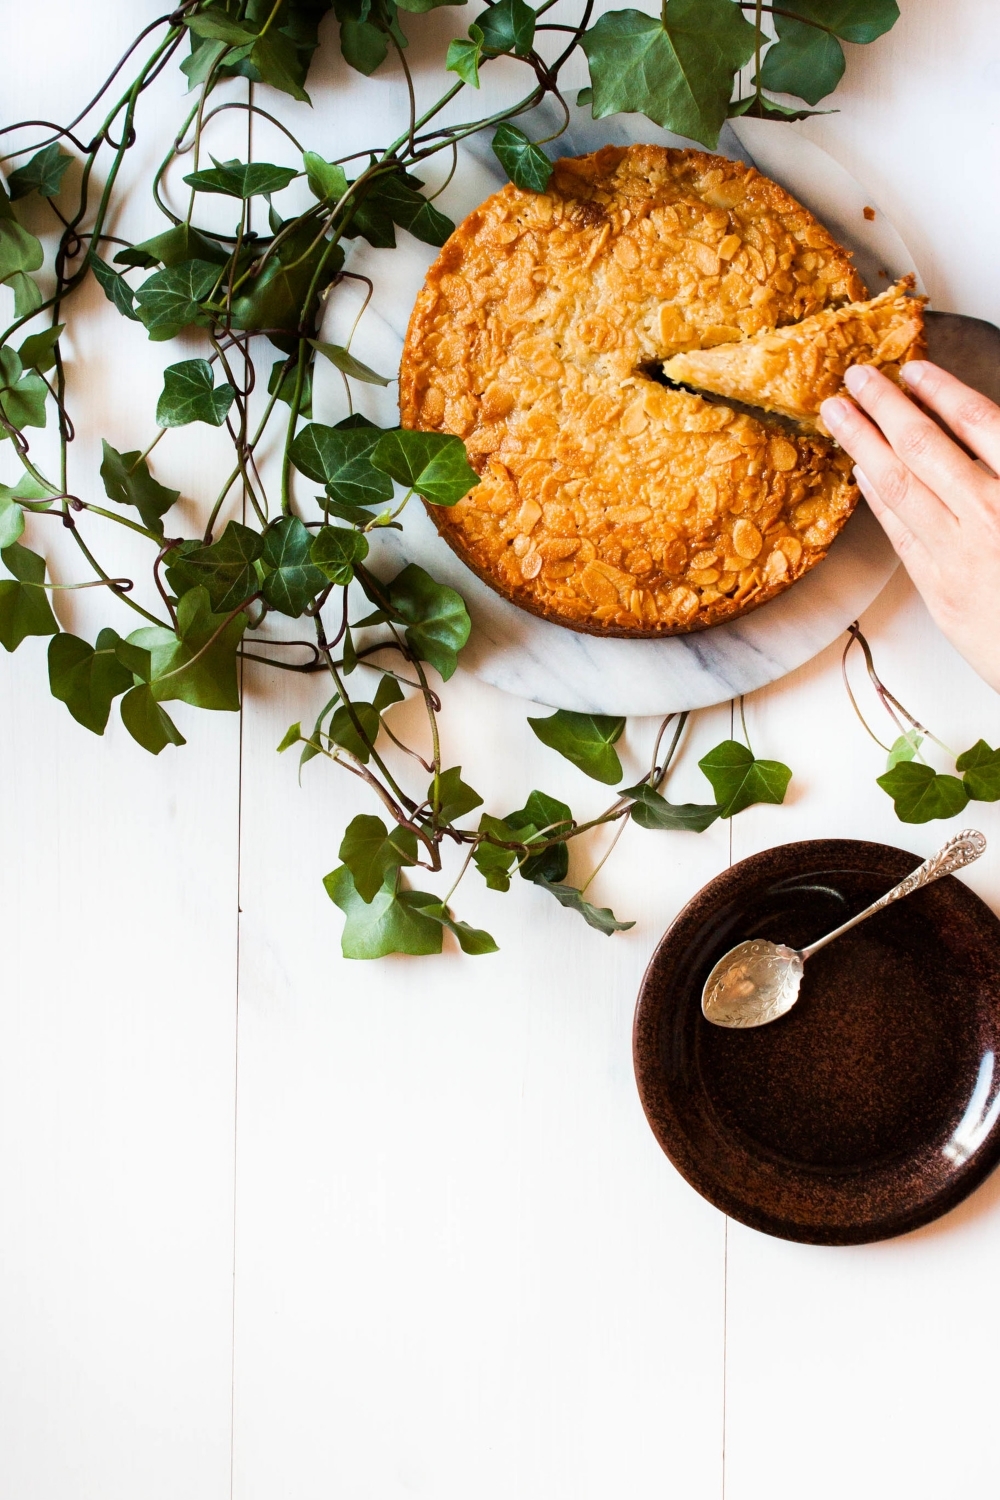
x: 507, y: 26
x: 38, y: 352
x: 170, y: 299
x: 277, y: 61
x: 85, y: 679
x: 283, y: 380
x: 387, y: 693
x: 27, y: 294
x: 190, y: 395
x: 277, y: 293
x: 240, y: 179
x: 389, y: 199
x: 114, y: 287
x: 454, y: 797
x: 437, y: 623
x: 421, y: 7
x: 198, y: 663
x: 362, y: 45
x: 327, y: 179
x: 11, y: 518
x: 340, y: 458
x: 435, y: 464
x: 393, y: 923
x: 370, y: 851
x: 585, y: 739
x: 920, y: 793
x: 24, y: 607
x: 804, y: 61
x: 335, y: 550
x: 464, y: 57
x: 650, y: 810
x: 220, y: 26
x: 526, y: 164
x: 205, y: 53
x: 904, y: 748
x: 173, y: 248
x: 549, y: 818
x: 292, y: 736
x: 601, y: 917
x: 19, y: 249
x: 677, y: 71
x: 852, y: 20
x: 127, y: 481
x: 763, y: 108
x: 22, y: 396
x: 472, y: 940
x: 739, y: 781
x: 343, y: 731
x: 492, y: 862
x: 149, y: 724
x: 291, y: 579
x: 42, y: 174
x: 982, y: 772
x: 225, y: 568
x: 344, y: 360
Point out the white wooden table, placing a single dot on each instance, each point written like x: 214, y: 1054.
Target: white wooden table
x: 283, y: 1227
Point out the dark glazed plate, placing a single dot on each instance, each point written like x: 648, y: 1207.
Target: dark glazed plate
x: 874, y: 1105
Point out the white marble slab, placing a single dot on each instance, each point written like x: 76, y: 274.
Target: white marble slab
x: 548, y: 663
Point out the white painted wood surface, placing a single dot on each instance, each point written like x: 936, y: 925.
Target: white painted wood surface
x: 286, y: 1227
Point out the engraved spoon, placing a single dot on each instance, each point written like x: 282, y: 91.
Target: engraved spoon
x: 757, y: 981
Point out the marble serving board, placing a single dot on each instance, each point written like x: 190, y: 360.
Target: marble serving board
x: 548, y: 663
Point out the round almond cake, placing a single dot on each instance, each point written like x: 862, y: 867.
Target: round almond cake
x: 608, y: 501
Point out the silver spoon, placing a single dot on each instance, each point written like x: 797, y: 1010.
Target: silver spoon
x: 758, y: 981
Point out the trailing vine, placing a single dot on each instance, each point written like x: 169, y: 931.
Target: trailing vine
x: 252, y: 295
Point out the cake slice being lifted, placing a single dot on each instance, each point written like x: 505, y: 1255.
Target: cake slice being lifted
x: 793, y: 370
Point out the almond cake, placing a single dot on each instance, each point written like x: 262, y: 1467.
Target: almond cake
x: 609, y: 502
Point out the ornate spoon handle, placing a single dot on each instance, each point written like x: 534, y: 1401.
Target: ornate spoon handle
x: 954, y: 855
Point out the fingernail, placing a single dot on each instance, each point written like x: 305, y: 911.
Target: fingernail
x: 913, y: 372
x: 861, y: 479
x: 857, y: 378
x: 835, y: 412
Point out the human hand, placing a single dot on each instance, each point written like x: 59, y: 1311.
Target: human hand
x: 938, y: 507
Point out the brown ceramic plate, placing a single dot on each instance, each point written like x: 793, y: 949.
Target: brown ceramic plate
x: 874, y: 1105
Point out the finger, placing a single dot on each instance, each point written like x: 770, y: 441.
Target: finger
x: 970, y: 416
x: 930, y: 453
x: 908, y: 548
x: 917, y: 507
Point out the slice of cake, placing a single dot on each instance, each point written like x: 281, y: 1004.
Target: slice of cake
x: 793, y: 370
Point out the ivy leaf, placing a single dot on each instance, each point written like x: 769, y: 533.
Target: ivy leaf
x: 919, y: 793
x: 370, y: 851
x: 335, y: 550
x: 435, y: 464
x: 769, y: 109
x: 739, y: 781
x: 650, y: 810
x: 365, y: 28
x: 394, y: 922
x: 38, y: 352
x: 240, y: 179
x: 601, y: 917
x: 343, y: 730
x: 585, y: 739
x: 852, y: 20
x: 340, y: 458
x: 387, y: 693
x: 87, y: 679
x: 526, y: 164
x: 421, y: 7
x: 454, y: 797
x: 492, y: 862
x: 42, y: 174
x: 804, y: 61
x: 472, y: 940
x: 148, y: 724
x: 27, y: 294
x: 678, y: 70
x: 24, y: 607
x: 437, y: 623
x: 170, y: 299
x: 464, y: 57
x: 283, y: 380
x: 19, y: 249
x: 127, y: 481
x: 189, y: 395
x: 276, y: 61
x: 982, y: 772
x: 327, y: 179
x: 11, y: 517
x: 115, y: 287
x: 392, y: 198
x: 217, y: 24
x: 198, y: 663
x: 173, y: 248
x: 507, y: 26
x: 22, y: 396
x: 344, y: 360
x: 548, y: 817
x: 904, y: 748
x: 276, y: 295
x: 225, y: 569
x: 291, y: 579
